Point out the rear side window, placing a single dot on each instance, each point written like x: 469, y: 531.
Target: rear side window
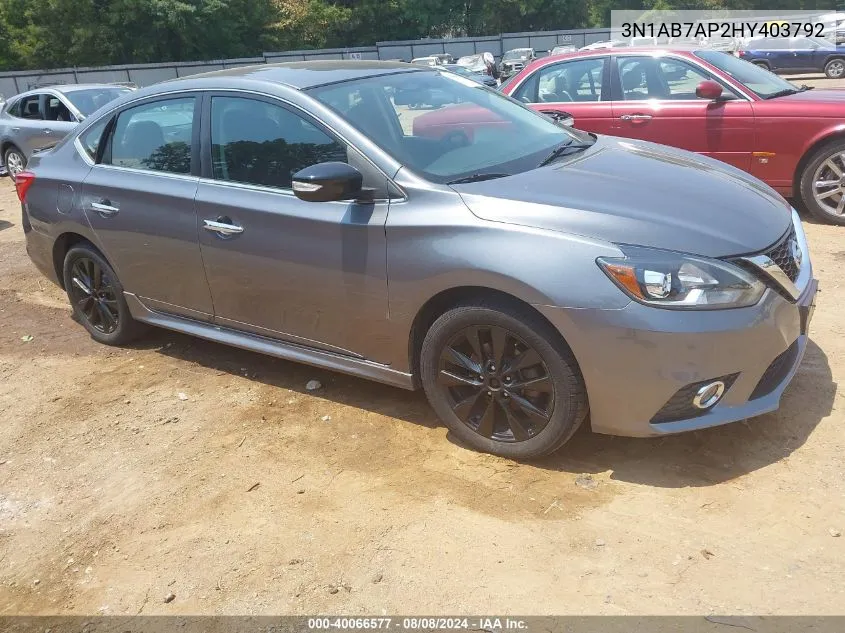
x: 154, y: 136
x: 261, y: 143
x: 90, y: 140
x: 27, y: 108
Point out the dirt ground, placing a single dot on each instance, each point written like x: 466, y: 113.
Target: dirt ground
x: 242, y: 498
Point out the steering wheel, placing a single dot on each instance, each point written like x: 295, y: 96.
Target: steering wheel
x: 455, y: 139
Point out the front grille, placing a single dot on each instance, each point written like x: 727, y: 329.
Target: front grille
x: 680, y: 406
x: 776, y: 372
x: 781, y: 254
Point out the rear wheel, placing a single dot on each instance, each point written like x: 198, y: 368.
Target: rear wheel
x: 823, y: 183
x: 502, y: 381
x: 14, y: 161
x: 835, y: 69
x: 96, y: 296
x: 762, y: 65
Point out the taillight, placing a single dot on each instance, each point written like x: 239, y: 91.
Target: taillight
x: 23, y: 181
x: 739, y: 53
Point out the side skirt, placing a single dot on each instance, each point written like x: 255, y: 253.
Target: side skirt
x: 271, y: 347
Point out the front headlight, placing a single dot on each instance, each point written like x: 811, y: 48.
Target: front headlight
x: 665, y: 279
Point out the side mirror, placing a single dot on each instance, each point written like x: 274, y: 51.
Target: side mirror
x: 327, y: 182
x: 708, y: 89
x: 561, y: 118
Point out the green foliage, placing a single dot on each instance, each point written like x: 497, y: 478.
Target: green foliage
x: 64, y: 33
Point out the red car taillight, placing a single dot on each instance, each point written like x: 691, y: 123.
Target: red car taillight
x: 23, y: 181
x: 739, y: 53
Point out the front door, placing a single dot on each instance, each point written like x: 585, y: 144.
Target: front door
x: 139, y: 201
x: 657, y: 102
x: 305, y: 272
x: 577, y: 88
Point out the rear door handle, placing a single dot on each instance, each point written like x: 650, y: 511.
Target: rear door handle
x: 47, y: 130
x: 16, y: 129
x: 105, y: 208
x: 222, y: 226
x: 636, y: 117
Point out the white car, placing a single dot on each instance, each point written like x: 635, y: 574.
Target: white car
x: 431, y: 60
x: 560, y: 50
x: 604, y: 44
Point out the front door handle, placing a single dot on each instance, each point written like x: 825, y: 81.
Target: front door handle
x: 47, y: 130
x: 105, y: 208
x: 16, y: 129
x: 222, y: 226
x: 636, y: 117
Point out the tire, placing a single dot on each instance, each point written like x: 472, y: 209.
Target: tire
x: 818, y: 169
x: 763, y: 65
x: 498, y: 420
x: 85, y: 265
x: 835, y: 68
x: 14, y: 156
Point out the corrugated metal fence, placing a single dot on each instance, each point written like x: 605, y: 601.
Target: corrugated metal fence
x: 13, y: 82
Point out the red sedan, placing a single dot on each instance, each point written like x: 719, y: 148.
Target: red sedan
x: 704, y: 101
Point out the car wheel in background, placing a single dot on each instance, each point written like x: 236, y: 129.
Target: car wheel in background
x: 835, y: 69
x: 823, y: 183
x: 763, y: 65
x: 502, y: 380
x: 14, y: 161
x: 96, y: 297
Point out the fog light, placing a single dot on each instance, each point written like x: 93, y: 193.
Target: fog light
x: 709, y: 394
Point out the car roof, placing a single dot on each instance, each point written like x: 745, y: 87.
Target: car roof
x: 304, y: 75
x: 66, y: 88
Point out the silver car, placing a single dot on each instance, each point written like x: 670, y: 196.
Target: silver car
x: 39, y: 118
x: 521, y: 273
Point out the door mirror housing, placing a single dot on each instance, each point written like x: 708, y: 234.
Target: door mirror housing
x: 708, y: 89
x: 561, y: 118
x: 328, y: 182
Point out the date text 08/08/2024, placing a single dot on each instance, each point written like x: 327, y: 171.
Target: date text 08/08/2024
x: 417, y: 623
x: 778, y: 28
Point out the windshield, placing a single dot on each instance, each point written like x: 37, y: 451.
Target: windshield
x: 89, y: 100
x: 518, y: 53
x: 446, y: 127
x: 760, y: 81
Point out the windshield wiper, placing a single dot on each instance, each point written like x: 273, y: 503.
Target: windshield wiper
x: 476, y: 178
x: 783, y: 93
x: 561, y: 150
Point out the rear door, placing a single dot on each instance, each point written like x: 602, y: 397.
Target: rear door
x: 654, y: 100
x: 577, y: 87
x: 28, y: 129
x: 139, y: 200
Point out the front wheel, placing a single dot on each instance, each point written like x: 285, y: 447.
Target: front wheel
x: 823, y: 183
x: 15, y: 161
x: 96, y: 297
x: 834, y: 69
x: 502, y: 380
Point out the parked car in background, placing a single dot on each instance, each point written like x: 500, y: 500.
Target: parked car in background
x: 445, y: 58
x: 487, y: 80
x: 558, y: 50
x: 475, y: 63
x: 515, y: 60
x: 42, y: 117
x: 795, y: 55
x: 431, y: 60
x: 704, y: 101
x: 525, y: 274
x: 604, y: 44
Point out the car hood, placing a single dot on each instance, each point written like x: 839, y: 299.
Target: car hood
x: 633, y: 192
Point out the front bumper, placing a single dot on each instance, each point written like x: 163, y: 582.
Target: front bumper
x: 634, y: 360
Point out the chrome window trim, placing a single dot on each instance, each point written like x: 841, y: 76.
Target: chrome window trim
x: 167, y: 174
x: 692, y: 61
x: 81, y: 150
x: 287, y: 192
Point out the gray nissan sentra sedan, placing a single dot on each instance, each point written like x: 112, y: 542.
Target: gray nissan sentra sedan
x: 521, y: 273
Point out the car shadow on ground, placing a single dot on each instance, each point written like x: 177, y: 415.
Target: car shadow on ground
x: 700, y: 458
x: 5, y: 225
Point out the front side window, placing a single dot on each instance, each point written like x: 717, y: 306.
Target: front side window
x: 444, y: 126
x: 662, y: 78
x: 56, y: 110
x: 571, y: 81
x: 261, y: 143
x: 154, y: 136
x: 760, y: 81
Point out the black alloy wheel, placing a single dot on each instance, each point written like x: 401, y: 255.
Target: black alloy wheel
x: 496, y: 384
x: 93, y: 295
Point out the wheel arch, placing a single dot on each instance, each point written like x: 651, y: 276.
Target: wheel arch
x: 825, y: 137
x: 449, y: 298
x: 62, y: 245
